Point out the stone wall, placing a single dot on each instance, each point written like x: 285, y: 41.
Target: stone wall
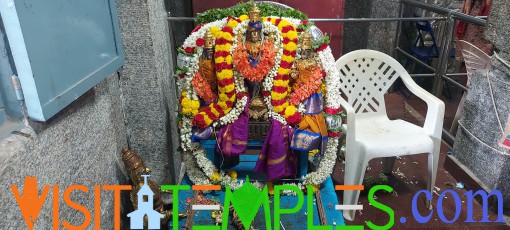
x: 484, y: 158
x: 80, y: 145
x: 148, y: 87
x: 133, y: 107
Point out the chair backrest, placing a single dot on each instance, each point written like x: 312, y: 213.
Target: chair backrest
x: 423, y: 28
x: 365, y: 76
x: 475, y: 59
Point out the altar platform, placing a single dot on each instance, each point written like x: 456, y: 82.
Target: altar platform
x: 324, y: 212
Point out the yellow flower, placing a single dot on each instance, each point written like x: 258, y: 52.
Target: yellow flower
x: 183, y: 93
x: 280, y: 108
x: 313, y: 152
x: 291, y: 46
x: 280, y: 82
x: 291, y: 34
x: 219, y: 60
x: 323, y: 88
x: 224, y: 74
x: 283, y: 71
x: 225, y: 47
x: 264, y: 19
x: 244, y: 17
x: 289, y: 111
x: 215, y: 176
x: 273, y: 21
x: 207, y: 120
x: 228, y: 59
x: 288, y: 59
x: 228, y: 36
x: 223, y: 97
x: 315, y: 188
x: 278, y: 96
x: 222, y: 104
x: 232, y: 174
x: 232, y: 23
x: 229, y: 88
x: 214, y: 111
x: 215, y: 31
x: 283, y: 23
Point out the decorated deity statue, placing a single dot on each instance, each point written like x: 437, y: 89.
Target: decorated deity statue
x: 254, y: 44
x: 204, y: 80
x: 206, y: 62
x: 311, y: 133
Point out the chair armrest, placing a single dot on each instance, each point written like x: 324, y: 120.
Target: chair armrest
x: 350, y: 116
x: 435, y: 107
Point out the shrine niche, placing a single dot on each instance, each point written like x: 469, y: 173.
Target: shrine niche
x: 255, y: 77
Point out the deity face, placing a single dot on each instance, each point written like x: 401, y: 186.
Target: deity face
x: 253, y: 36
x: 306, y: 54
x: 208, y: 54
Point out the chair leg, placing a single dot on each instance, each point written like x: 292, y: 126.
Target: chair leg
x: 433, y: 161
x: 388, y: 163
x: 355, y: 166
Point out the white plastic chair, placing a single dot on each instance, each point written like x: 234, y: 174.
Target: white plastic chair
x: 475, y: 60
x: 365, y: 76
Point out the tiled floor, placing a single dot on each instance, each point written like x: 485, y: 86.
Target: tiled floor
x: 410, y: 176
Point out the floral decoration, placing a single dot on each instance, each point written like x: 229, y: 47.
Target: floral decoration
x: 307, y: 89
x: 202, y: 88
x: 258, y: 72
x: 232, y: 97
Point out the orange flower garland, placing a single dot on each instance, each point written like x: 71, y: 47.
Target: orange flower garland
x: 224, y: 75
x: 280, y: 89
x: 202, y: 88
x: 307, y: 89
x: 260, y: 71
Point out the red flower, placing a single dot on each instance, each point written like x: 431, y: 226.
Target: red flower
x: 228, y: 30
x: 218, y: 54
x: 266, y: 93
x: 200, y: 42
x: 199, y: 121
x: 231, y: 93
x: 230, y: 104
x: 279, y: 89
x: 277, y: 21
x: 287, y: 29
x: 294, y: 119
x: 289, y: 53
x: 189, y: 49
x: 299, y: 30
x: 285, y: 65
x: 322, y: 47
x: 197, y: 28
x: 334, y: 134
x: 304, y: 22
x: 332, y: 111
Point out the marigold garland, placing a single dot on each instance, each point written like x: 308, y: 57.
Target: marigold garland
x: 189, y: 107
x: 257, y: 73
x: 307, y: 89
x: 202, y: 88
x: 224, y: 76
x: 279, y: 96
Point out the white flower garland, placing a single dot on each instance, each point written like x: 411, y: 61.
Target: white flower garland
x: 195, y: 156
x: 332, y: 78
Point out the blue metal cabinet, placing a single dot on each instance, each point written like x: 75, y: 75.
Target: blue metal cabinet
x: 61, y: 49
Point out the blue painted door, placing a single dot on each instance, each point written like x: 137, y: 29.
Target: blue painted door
x: 61, y: 49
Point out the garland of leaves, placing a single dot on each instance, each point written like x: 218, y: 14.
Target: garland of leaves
x: 244, y: 9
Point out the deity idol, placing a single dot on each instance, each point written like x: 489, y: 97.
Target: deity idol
x: 311, y: 133
x: 205, y: 83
